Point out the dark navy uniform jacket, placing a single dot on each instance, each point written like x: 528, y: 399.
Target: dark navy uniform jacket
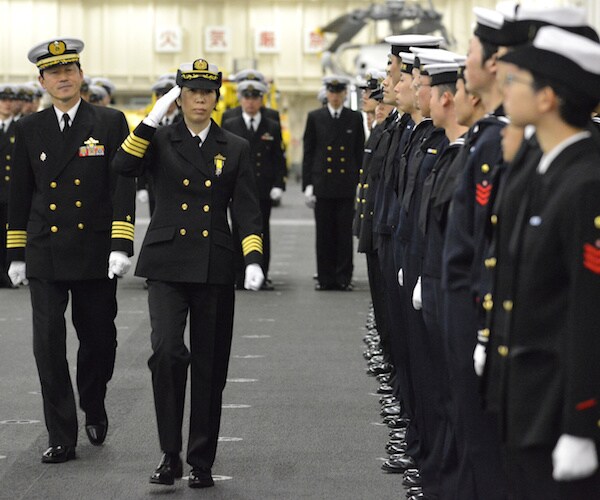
x: 7, y: 142
x: 547, y: 371
x: 333, y: 150
x: 270, y: 113
x: 360, y: 206
x: 67, y: 209
x: 266, y: 153
x: 189, y: 238
x: 471, y: 206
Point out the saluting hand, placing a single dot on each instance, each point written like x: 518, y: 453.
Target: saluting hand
x: 160, y: 108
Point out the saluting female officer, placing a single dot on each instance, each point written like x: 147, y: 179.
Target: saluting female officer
x: 198, y: 170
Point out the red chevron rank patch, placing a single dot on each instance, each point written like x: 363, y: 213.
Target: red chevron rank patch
x: 483, y: 192
x: 591, y: 258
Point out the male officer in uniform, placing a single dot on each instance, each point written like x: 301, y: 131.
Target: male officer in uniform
x: 333, y: 145
x: 70, y: 231
x: 266, y: 155
x: 7, y: 140
x: 251, y: 75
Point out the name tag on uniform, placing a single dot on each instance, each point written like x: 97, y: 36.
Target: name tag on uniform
x: 91, y: 147
x: 267, y: 137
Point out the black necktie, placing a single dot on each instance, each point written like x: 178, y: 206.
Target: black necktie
x: 198, y: 140
x: 66, y: 119
x: 335, y: 115
x: 251, y: 127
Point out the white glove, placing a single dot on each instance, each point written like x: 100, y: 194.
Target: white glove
x: 574, y: 458
x: 254, y: 277
x: 160, y: 108
x: 417, y: 300
x: 118, y: 264
x: 479, y: 357
x: 142, y: 196
x: 309, y: 197
x: 401, y: 277
x: 276, y: 193
x: 17, y: 274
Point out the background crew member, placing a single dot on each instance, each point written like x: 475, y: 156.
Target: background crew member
x: 70, y: 219
x: 251, y: 75
x: 7, y: 141
x: 268, y: 162
x: 198, y: 170
x: 333, y: 146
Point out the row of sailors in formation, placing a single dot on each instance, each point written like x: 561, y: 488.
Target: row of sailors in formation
x: 478, y: 211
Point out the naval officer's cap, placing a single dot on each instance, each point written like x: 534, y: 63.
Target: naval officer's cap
x: 7, y: 91
x: 425, y: 56
x: 108, y: 85
x: 336, y: 83
x: 163, y: 85
x: 199, y: 75
x: 56, y: 51
x: 249, y: 74
x: 373, y: 78
x: 402, y: 43
x: 377, y: 94
x: 251, y: 88
x: 562, y: 57
x: 408, y: 61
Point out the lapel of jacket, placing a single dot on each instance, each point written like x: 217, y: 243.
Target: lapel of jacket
x: 186, y: 146
x: 80, y: 131
x: 50, y: 140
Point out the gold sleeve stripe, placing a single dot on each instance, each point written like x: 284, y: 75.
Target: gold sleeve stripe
x: 16, y: 239
x: 135, y: 146
x: 123, y: 230
x: 252, y: 243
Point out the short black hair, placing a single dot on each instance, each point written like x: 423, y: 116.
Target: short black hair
x: 575, y: 108
x: 447, y: 87
x: 488, y: 50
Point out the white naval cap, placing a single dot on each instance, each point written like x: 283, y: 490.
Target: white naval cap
x: 63, y: 50
x: 561, y: 56
x: 249, y: 74
x: 402, y: 43
x: 108, y: 85
x: 408, y: 61
x: 488, y: 24
x: 251, y: 88
x: 441, y: 73
x: 336, y: 83
x: 199, y: 74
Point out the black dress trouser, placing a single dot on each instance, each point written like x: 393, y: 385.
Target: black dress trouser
x: 94, y: 308
x: 210, y: 309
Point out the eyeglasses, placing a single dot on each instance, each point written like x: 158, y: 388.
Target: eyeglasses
x: 511, y: 78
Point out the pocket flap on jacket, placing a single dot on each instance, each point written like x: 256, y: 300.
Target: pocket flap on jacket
x: 159, y: 234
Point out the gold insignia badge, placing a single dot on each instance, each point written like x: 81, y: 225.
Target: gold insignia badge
x: 43, y: 156
x: 597, y: 222
x: 251, y: 76
x: 219, y: 164
x: 200, y: 65
x: 57, y: 48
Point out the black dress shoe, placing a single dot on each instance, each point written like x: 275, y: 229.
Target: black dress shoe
x: 169, y: 469
x: 412, y: 480
x: 267, y: 285
x: 58, y: 454
x: 324, y: 286
x: 200, y: 478
x: 345, y: 287
x: 96, y: 430
x: 413, y: 490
